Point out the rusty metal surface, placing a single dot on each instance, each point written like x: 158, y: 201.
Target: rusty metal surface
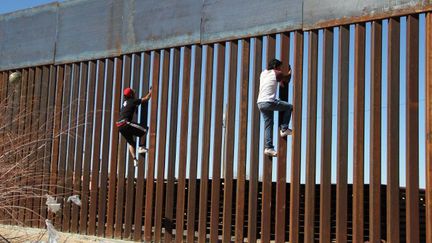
x: 375, y: 133
x: 204, y: 184
x: 281, y: 171
x: 327, y: 104
x: 183, y: 147
x: 242, y: 149
x: 236, y: 19
x: 254, y: 151
x: 229, y: 144
x: 294, y: 216
x: 193, y: 164
x: 267, y: 170
x: 154, y: 24
x: 88, y: 29
x: 428, y: 127
x: 412, y: 126
x: 359, y: 132
x: 217, y: 143
x: 318, y: 12
x: 124, y: 27
x: 393, y: 91
x: 27, y: 37
x: 342, y: 137
x: 310, y: 137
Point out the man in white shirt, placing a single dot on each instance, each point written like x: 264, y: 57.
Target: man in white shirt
x: 268, y: 103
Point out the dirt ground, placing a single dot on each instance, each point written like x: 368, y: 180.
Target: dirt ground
x: 32, y: 235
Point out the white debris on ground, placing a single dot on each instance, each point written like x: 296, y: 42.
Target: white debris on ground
x: 75, y: 199
x: 52, y: 232
x: 17, y: 234
x: 52, y: 204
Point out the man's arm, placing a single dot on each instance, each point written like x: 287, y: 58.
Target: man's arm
x: 283, y: 78
x: 146, y: 98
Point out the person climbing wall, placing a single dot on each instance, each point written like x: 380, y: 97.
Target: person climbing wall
x: 268, y: 103
x: 129, y: 129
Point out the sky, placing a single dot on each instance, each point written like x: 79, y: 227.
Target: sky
x: 13, y: 5
x: 7, y: 6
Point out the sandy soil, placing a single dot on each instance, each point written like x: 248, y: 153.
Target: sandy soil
x: 33, y: 235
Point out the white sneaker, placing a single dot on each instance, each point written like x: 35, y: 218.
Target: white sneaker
x: 142, y: 150
x: 286, y: 132
x: 135, y: 162
x: 270, y: 152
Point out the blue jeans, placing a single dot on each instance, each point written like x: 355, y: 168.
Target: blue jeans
x: 267, y: 109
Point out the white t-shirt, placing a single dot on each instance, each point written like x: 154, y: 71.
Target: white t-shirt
x: 268, y: 86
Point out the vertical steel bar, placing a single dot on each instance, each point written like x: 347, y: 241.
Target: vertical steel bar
x: 169, y: 203
x: 118, y: 63
x: 139, y: 194
x: 4, y: 101
x: 217, y: 144
x: 229, y: 149
x: 102, y: 201
x: 10, y: 200
x: 80, y: 142
x: 35, y: 139
x: 11, y: 125
x: 87, y: 148
x: 393, y: 130
x: 25, y: 104
x: 71, y: 146
x: 18, y: 107
x: 242, y: 143
x: 63, y: 140
x: 412, y: 120
x: 429, y: 127
x: 282, y: 150
x: 3, y: 95
x: 296, y: 147
x: 359, y: 116
x: 183, y: 145
x: 43, y: 144
x: 7, y: 141
x: 194, y: 146
x: 267, y: 166
x: 162, y: 145
x: 134, y: 73
x: 342, y: 141
x: 375, y: 137
x: 121, y: 159
x: 96, y: 161
x: 254, y: 149
x: 56, y: 127
x: 15, y: 120
x: 311, y: 138
x: 326, y: 137
x: 28, y: 129
x: 23, y: 128
x: 202, y: 226
x: 152, y: 149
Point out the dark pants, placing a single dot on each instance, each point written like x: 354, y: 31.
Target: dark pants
x: 267, y: 109
x: 131, y: 130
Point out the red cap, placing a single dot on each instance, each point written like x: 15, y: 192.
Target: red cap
x: 128, y: 92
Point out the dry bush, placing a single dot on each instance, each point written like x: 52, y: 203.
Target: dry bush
x: 26, y: 143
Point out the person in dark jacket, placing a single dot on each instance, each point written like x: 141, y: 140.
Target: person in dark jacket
x: 127, y: 128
